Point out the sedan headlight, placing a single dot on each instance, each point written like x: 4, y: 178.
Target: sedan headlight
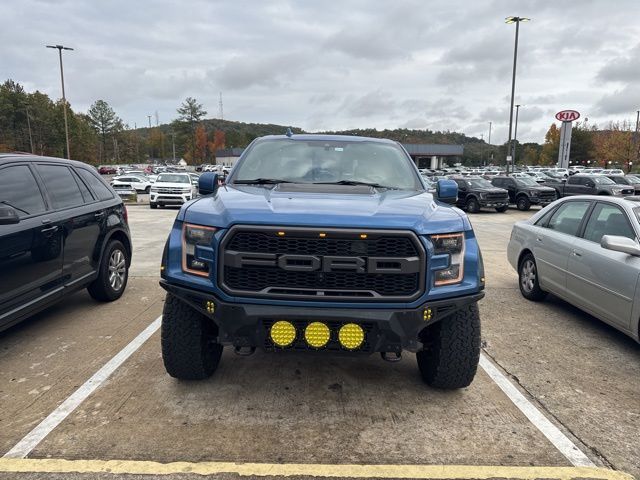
x: 193, y: 235
x: 451, y: 244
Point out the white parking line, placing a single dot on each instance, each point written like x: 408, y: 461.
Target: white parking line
x: 542, y: 423
x: 44, y: 428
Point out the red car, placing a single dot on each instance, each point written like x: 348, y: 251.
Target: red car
x: 107, y: 170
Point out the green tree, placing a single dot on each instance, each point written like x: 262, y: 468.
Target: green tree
x: 105, y: 122
x: 189, y: 114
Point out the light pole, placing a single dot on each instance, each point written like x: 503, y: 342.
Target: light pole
x: 515, y: 137
x: 517, y: 21
x: 64, y: 98
x: 489, y: 142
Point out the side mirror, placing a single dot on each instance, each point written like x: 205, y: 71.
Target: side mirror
x: 208, y: 183
x: 447, y: 191
x: 8, y: 215
x: 620, y: 244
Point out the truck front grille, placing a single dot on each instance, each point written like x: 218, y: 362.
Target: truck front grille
x: 322, y: 264
x: 497, y: 196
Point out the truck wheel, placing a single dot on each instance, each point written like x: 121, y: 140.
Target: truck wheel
x: 112, y: 274
x: 523, y: 203
x: 502, y: 209
x: 189, y: 349
x: 473, y: 206
x: 147, y: 190
x: 153, y: 205
x: 451, y: 350
x: 528, y: 279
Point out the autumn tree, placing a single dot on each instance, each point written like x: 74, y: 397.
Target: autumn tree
x: 613, y: 145
x: 549, y: 154
x: 201, y: 144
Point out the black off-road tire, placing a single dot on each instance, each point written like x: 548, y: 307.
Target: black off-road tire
x: 523, y: 203
x: 451, y: 350
x: 101, y: 289
x: 189, y: 349
x: 153, y: 205
x: 502, y: 209
x: 528, y: 279
x: 473, y: 206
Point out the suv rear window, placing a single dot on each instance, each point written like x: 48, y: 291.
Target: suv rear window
x: 62, y: 187
x: 95, y: 184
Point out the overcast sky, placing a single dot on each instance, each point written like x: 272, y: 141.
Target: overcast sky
x: 337, y: 64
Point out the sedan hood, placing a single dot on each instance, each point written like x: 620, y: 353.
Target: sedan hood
x: 325, y: 206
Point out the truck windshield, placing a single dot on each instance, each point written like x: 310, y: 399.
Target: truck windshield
x: 169, y: 178
x: 603, y: 180
x: 479, y: 183
x: 526, y: 182
x: 321, y: 161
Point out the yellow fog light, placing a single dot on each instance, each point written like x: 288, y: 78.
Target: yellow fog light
x: 209, y: 306
x: 282, y: 333
x: 317, y: 334
x: 351, y: 336
x: 426, y: 315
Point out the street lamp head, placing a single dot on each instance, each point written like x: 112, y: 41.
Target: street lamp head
x: 516, y: 19
x: 59, y: 47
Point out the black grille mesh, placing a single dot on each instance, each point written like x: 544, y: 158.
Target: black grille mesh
x: 343, y: 283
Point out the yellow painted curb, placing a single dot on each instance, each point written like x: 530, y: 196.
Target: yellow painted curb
x: 28, y: 465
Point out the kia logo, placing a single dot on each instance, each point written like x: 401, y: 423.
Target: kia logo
x: 567, y: 115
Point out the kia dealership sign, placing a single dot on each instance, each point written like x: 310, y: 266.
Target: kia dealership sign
x: 567, y: 115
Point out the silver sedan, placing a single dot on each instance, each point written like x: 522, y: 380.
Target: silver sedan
x: 584, y: 250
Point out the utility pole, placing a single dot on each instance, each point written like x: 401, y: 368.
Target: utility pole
x: 220, y: 110
x: 26, y: 107
x: 64, y: 98
x: 173, y: 140
x: 635, y: 140
x: 517, y: 21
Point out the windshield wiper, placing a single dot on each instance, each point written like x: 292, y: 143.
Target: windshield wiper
x: 13, y: 206
x: 261, y: 181
x: 356, y: 182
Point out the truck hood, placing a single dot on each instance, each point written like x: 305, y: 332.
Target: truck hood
x: 355, y: 208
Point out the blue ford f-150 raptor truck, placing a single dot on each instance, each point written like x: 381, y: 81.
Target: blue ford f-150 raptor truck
x: 323, y: 244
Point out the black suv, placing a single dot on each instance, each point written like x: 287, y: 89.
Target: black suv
x: 475, y: 193
x: 62, y: 228
x: 525, y: 191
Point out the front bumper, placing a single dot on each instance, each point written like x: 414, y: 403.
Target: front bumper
x: 386, y: 330
x: 169, y: 198
x: 489, y: 203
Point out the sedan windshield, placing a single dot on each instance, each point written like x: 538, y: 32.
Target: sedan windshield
x: 172, y: 178
x: 327, y: 161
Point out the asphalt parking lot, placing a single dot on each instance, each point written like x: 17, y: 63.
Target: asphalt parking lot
x: 578, y: 374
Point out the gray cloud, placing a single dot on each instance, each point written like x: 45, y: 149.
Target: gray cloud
x: 355, y: 63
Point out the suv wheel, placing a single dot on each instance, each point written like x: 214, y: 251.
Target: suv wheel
x: 189, y: 349
x: 528, y: 279
x: 451, y: 350
x: 473, y: 206
x: 112, y: 274
x: 523, y: 203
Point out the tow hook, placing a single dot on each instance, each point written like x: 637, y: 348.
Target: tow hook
x: 244, y: 351
x: 392, y: 357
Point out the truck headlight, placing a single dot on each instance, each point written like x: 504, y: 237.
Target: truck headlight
x: 186, y: 189
x: 154, y: 189
x: 451, y: 244
x: 483, y: 196
x: 533, y: 193
x: 193, y: 235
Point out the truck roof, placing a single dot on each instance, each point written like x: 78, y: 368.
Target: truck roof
x: 329, y: 138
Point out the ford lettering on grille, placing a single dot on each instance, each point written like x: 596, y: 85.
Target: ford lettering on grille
x: 341, y: 264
